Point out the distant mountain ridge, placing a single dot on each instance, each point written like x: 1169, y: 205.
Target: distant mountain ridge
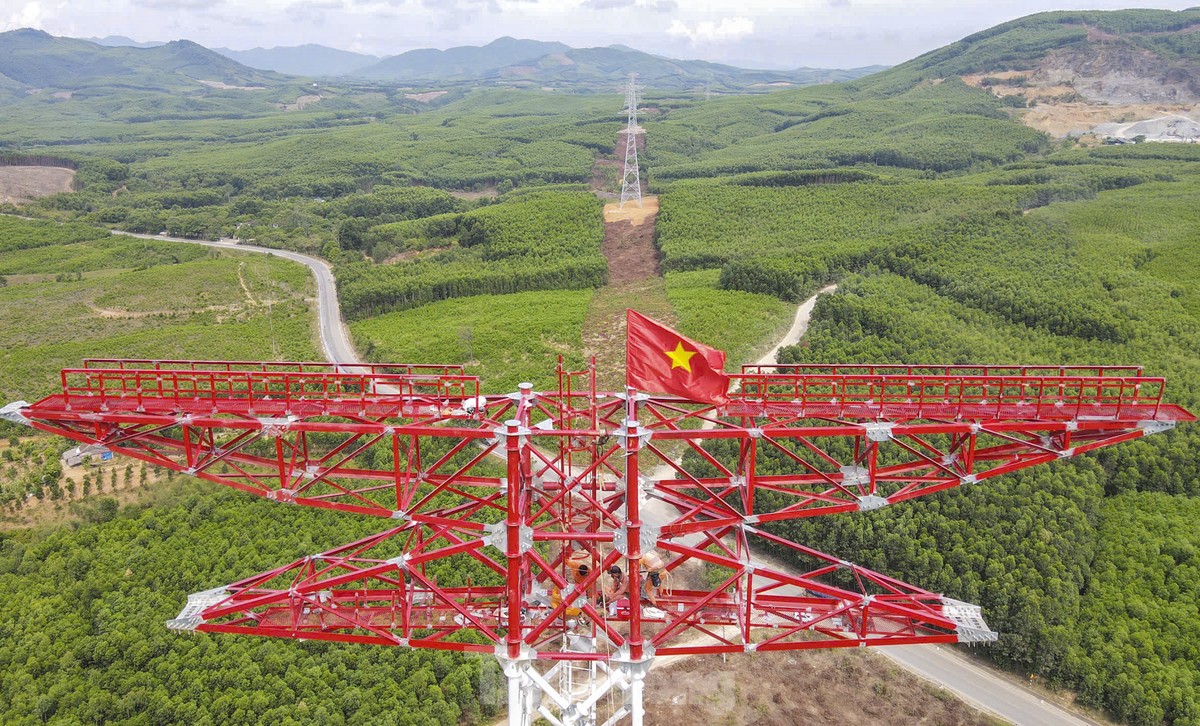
x: 302, y: 60
x: 119, y: 41
x: 515, y: 61
x: 32, y: 59
x: 462, y: 62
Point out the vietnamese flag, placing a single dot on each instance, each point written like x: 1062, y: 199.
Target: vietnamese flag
x: 661, y: 360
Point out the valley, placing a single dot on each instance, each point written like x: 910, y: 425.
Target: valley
x: 467, y: 223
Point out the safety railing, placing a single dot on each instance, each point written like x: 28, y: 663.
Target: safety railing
x: 871, y: 369
x: 406, y: 369
x: 99, y: 386
x: 946, y: 396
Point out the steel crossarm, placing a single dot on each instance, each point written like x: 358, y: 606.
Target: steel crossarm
x: 356, y: 594
x: 510, y: 510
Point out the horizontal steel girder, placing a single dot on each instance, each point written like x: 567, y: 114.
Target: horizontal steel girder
x: 516, y: 484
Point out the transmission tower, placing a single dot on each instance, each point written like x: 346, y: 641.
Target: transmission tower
x: 631, y: 181
x: 589, y: 478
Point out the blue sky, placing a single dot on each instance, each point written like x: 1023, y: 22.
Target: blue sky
x: 754, y: 33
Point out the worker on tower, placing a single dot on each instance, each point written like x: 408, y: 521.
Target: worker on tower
x: 616, y: 588
x: 656, y: 573
x: 579, y: 565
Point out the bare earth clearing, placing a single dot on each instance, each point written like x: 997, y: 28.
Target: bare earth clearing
x: 21, y: 184
x: 425, y: 97
x: 1104, y: 89
x: 300, y: 104
x: 633, y: 212
x: 222, y: 86
x: 488, y: 192
x: 814, y: 687
x: 1080, y: 118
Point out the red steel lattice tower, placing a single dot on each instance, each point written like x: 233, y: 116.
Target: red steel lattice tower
x: 529, y: 484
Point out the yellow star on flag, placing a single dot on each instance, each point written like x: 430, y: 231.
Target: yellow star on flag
x: 680, y: 357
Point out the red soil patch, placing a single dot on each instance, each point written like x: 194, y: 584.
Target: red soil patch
x: 630, y: 252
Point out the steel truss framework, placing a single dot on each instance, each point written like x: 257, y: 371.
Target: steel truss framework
x: 518, y: 482
x: 631, y: 178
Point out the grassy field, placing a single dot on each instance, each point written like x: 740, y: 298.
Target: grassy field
x: 504, y: 339
x: 210, y: 305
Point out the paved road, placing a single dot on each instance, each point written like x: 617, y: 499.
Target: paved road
x: 334, y: 339
x: 975, y: 684
x: 980, y: 686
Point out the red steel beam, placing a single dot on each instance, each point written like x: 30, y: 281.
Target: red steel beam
x: 518, y: 482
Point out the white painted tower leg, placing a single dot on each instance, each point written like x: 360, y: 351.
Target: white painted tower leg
x: 636, y: 709
x: 532, y: 694
x: 516, y: 704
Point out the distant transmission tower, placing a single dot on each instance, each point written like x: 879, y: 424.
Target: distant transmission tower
x: 631, y: 182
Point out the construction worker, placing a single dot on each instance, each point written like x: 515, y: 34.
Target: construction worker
x: 616, y: 588
x: 579, y: 566
x: 656, y: 572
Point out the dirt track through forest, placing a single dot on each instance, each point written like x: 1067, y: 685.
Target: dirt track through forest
x: 634, y: 273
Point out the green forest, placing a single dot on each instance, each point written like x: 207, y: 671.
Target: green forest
x: 465, y: 231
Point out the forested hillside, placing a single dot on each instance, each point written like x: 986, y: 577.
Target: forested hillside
x: 84, y: 639
x: 465, y: 230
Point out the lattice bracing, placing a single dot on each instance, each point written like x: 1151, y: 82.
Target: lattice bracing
x: 519, y: 488
x: 631, y: 177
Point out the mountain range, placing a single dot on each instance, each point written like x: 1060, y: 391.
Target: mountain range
x: 33, y: 60
x: 302, y: 60
x: 508, y: 61
x: 531, y: 62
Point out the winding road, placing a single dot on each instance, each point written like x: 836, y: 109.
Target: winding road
x: 335, y: 338
x: 982, y: 687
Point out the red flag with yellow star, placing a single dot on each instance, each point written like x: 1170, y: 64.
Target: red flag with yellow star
x: 661, y: 360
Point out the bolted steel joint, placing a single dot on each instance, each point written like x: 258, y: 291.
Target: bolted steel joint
x: 646, y: 541
x: 1155, y: 427
x: 878, y: 432
x: 275, y: 427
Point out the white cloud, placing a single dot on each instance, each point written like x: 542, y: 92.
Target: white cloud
x: 177, y: 4
x: 29, y: 16
x: 658, y: 6
x: 713, y: 31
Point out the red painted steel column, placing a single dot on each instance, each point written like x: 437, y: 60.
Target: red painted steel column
x: 633, y: 539
x: 513, y: 522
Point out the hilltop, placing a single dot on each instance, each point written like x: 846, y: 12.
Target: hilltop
x: 1076, y: 70
x: 34, y: 61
